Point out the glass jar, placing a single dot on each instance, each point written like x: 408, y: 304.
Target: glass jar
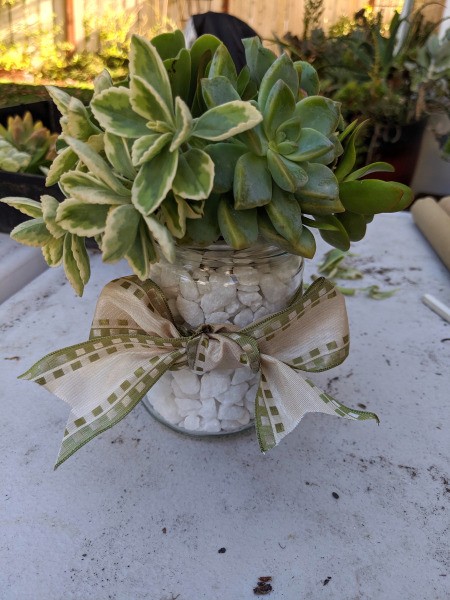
x: 218, y: 285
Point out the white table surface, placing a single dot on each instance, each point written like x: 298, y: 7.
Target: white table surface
x: 141, y: 512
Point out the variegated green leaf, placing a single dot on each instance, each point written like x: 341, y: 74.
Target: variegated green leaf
x: 145, y: 62
x: 120, y: 232
x: 321, y: 114
x: 311, y: 144
x: 79, y: 124
x: 204, y: 231
x: 148, y: 146
x: 103, y: 81
x: 141, y: 253
x: 218, y: 91
x: 224, y: 121
x: 288, y: 175
x: 195, y: 175
x: 285, y: 214
x: 179, y: 70
x: 71, y: 267
x: 97, y: 165
x: 118, y: 154
x: 65, y: 161
x: 154, y: 181
x: 81, y: 218
x: 81, y: 258
x: 239, y: 228
x: 201, y: 53
x: 282, y: 69
x: 26, y: 206
x: 183, y: 121
x: 252, y: 184
x: 32, y: 233
x: 162, y: 236
x: 112, y: 109
x: 60, y: 98
x: 225, y: 157
x: 174, y: 210
x: 52, y: 252
x: 223, y: 65
x: 49, y: 207
x: 89, y: 189
x: 147, y: 102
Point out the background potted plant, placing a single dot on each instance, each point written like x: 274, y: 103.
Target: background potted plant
x: 211, y: 183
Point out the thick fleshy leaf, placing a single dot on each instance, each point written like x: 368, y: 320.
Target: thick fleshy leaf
x: 205, y: 45
x: 279, y: 108
x: 285, y: 214
x: 52, y: 252
x: 32, y: 233
x: 289, y: 130
x: 168, y: 45
x: 255, y: 139
x: 118, y: 154
x: 28, y: 207
x: 148, y: 146
x: 239, y: 228
x: 355, y: 225
x: 87, y: 188
x: 120, y: 232
x: 218, y: 91
x: 223, y: 65
x: 146, y: 63
x: 79, y: 124
x: 49, y: 207
x: 141, y: 253
x: 373, y: 196
x: 183, y: 124
x: 288, y: 175
x: 376, y: 167
x: 321, y: 183
x: 60, y: 98
x: 339, y: 237
x: 304, y: 246
x: 311, y: 144
x: 81, y: 257
x: 81, y: 218
x: 97, y: 165
x: 179, y: 71
x: 65, y: 161
x: 148, y: 103
x: 243, y: 80
x: 348, y: 158
x: 282, y: 69
x: 103, y: 81
x: 162, y: 236
x: 154, y: 181
x: 224, y: 121
x: 112, y: 109
x: 321, y: 114
x: 225, y: 157
x: 71, y: 267
x: 252, y: 182
x: 174, y: 211
x: 258, y: 58
x: 195, y: 175
x: 309, y: 80
x: 330, y: 157
x: 204, y: 231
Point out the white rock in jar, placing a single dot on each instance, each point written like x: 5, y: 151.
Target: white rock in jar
x: 190, y: 311
x: 187, y: 381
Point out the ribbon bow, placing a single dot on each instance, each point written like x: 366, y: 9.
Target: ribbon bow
x: 134, y: 341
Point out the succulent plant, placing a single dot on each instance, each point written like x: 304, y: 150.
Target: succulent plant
x: 26, y: 146
x: 187, y: 150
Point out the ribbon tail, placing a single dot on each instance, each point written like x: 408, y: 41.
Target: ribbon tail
x: 283, y: 399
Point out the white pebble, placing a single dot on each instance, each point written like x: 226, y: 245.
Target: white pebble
x: 190, y: 311
x: 228, y: 425
x: 209, y: 409
x: 241, y: 375
x: 233, y: 307
x: 251, y: 394
x: 169, y: 278
x: 217, y: 317
x: 272, y: 289
x: 213, y: 383
x: 192, y: 423
x: 188, y: 288
x: 260, y: 313
x: 231, y: 412
x: 187, y: 406
x: 243, y: 318
x: 234, y: 394
x: 217, y: 298
x: 166, y: 407
x: 212, y: 426
x: 187, y: 381
x: 249, y: 298
x: 246, y: 275
x: 248, y: 288
x: 245, y: 419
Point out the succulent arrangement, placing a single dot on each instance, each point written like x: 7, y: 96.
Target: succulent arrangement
x: 25, y: 146
x: 188, y: 151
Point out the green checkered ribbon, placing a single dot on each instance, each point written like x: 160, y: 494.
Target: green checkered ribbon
x: 134, y: 341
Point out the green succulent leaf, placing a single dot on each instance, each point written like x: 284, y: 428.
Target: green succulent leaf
x: 146, y: 63
x: 311, y: 145
x: 162, y: 236
x: 243, y: 81
x: 49, y: 207
x: 141, y: 253
x: 169, y: 45
x: 227, y: 120
x: 71, y: 267
x: 225, y: 157
x: 60, y: 98
x: 239, y: 228
x: 285, y: 214
x: 348, y: 158
x: 179, y: 71
x: 223, y: 65
x: 149, y: 146
x: 282, y: 69
x: 255, y: 139
x: 121, y: 228
x: 174, y: 210
x: 112, y: 109
x: 376, y: 167
x: 81, y: 218
x: 288, y: 175
x: 204, y: 46
x: 87, y: 188
x: 252, y: 184
x: 81, y: 257
x: 118, y: 153
x: 195, y: 175
x: 65, y: 161
x: 355, y: 225
x: 309, y: 80
x: 32, y: 233
x: 304, y: 246
x: 321, y: 183
x: 103, y: 81
x: 28, y: 207
x: 154, y: 181
x: 183, y: 121
x: 330, y: 157
x: 79, y: 124
x: 278, y: 108
x: 289, y: 130
x: 321, y: 114
x: 148, y: 103
x: 218, y: 91
x: 52, y: 252
x: 373, y: 196
x: 203, y: 232
x: 258, y: 58
x: 338, y: 237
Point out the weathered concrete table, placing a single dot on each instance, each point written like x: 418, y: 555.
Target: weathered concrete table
x: 339, y: 510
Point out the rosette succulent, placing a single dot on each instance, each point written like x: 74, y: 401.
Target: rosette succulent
x: 187, y: 151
